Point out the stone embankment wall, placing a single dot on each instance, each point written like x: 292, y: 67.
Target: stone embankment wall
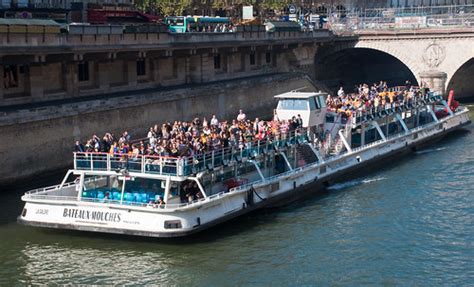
x: 38, y: 140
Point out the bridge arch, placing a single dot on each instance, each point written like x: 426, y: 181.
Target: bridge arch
x: 350, y: 64
x: 399, y: 53
x: 461, y: 80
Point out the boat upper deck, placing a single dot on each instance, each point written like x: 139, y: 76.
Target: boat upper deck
x: 209, y: 160
x: 361, y: 116
x: 188, y: 165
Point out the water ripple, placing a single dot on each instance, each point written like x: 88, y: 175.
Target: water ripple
x: 409, y: 223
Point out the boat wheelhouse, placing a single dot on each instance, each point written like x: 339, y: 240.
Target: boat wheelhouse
x: 161, y: 196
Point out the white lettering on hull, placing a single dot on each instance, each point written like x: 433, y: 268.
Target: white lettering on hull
x: 100, y: 216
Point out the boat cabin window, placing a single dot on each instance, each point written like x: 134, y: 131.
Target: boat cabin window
x: 322, y: 101
x: 145, y: 185
x: 293, y: 104
x: 313, y: 104
x: 317, y: 103
x: 102, y: 183
x: 121, y: 188
x: 175, y: 188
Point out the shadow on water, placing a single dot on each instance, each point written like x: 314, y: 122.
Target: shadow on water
x: 11, y: 204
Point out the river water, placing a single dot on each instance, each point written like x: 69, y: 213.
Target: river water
x: 408, y: 223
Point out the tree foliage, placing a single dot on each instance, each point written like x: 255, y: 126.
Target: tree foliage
x: 164, y: 7
x: 177, y: 7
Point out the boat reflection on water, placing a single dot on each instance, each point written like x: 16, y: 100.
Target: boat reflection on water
x: 101, y: 264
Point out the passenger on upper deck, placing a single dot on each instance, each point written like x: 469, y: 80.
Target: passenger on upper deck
x: 371, y: 99
x: 79, y: 147
x: 241, y: 116
x: 182, y: 139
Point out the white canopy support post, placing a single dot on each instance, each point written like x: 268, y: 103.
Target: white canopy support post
x: 318, y: 155
x: 362, y: 134
x: 201, y: 188
x: 447, y: 107
x: 123, y: 188
x: 402, y: 122
x: 258, y: 169
x: 377, y: 127
x: 433, y: 115
x: 286, y: 160
x: 109, y: 165
x: 180, y: 165
x: 65, y: 178
x: 81, y: 187
x: 344, y: 141
x: 167, y: 189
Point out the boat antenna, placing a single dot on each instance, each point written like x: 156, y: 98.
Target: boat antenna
x: 299, y: 89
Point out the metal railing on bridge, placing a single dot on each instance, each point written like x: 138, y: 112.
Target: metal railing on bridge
x: 402, y: 18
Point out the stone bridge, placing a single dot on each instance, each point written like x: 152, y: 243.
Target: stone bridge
x: 442, y: 58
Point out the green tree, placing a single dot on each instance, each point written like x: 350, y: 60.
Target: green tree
x: 173, y: 7
x: 276, y: 5
x: 142, y: 5
x: 164, y: 7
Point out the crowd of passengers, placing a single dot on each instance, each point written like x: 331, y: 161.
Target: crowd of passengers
x: 373, y: 98
x: 182, y: 139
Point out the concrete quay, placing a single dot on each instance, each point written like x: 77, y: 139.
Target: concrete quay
x: 40, y: 139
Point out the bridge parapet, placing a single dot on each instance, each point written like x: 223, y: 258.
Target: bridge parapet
x: 10, y: 43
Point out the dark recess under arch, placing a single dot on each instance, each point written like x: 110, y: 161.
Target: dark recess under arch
x: 353, y: 66
x: 462, y: 82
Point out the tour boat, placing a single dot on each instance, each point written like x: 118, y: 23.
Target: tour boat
x: 159, y: 196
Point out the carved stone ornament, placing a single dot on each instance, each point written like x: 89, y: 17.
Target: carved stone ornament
x: 434, y: 55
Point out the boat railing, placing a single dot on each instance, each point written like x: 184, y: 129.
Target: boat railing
x: 186, y: 165
x: 37, y: 196
x: 39, y: 193
x: 270, y: 179
x: 389, y: 138
x: 50, y: 188
x: 364, y: 115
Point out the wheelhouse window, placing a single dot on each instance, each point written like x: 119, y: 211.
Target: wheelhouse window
x: 313, y: 104
x: 317, y: 102
x: 322, y: 101
x: 293, y: 104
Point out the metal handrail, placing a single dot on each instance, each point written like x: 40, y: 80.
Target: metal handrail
x: 50, y: 188
x: 385, y: 18
x: 359, y: 116
x: 181, y: 166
